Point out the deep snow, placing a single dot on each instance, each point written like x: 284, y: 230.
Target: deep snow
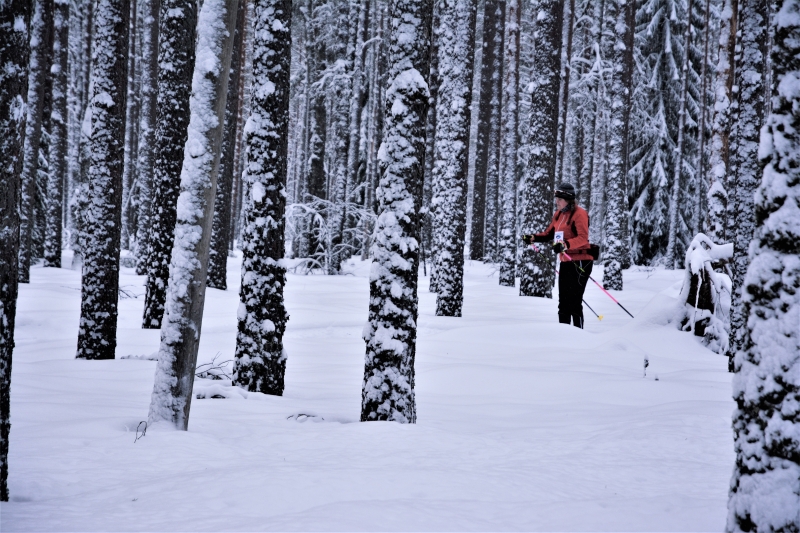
x: 523, y: 424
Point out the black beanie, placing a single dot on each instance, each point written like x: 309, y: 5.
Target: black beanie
x: 565, y: 191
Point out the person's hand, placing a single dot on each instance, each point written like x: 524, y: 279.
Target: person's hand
x: 526, y: 239
x: 559, y: 247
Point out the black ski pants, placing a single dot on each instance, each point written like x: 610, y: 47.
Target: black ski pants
x: 571, y: 285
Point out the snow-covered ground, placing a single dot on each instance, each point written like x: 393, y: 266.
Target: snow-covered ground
x: 523, y: 424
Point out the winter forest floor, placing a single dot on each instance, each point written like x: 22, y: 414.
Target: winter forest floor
x: 523, y: 424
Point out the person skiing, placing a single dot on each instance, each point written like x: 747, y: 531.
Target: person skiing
x: 569, y: 231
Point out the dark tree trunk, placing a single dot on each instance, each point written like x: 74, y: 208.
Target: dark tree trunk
x: 391, y: 333
x: 428, y: 208
x: 39, y: 70
x: 537, y: 270
x: 14, y: 51
x: 176, y: 49
x: 491, y: 225
x: 97, y: 333
x: 260, y: 360
x: 221, y: 231
x: 58, y: 136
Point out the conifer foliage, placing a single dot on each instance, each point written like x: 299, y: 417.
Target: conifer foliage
x: 391, y: 333
x: 97, y: 333
x: 765, y: 489
x: 260, y: 362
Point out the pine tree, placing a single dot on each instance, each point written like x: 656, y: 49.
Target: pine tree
x: 129, y: 178
x: 183, y: 317
x: 509, y: 142
x: 616, y: 219
x: 260, y: 362
x: 58, y: 135
x: 491, y: 228
x: 765, y: 489
x: 97, y: 332
x: 390, y: 334
x: 148, y: 84
x: 537, y: 272
x: 15, y: 20
x: 176, y: 54
x: 456, y: 49
x: 39, y: 68
x: 221, y: 231
x: 750, y: 77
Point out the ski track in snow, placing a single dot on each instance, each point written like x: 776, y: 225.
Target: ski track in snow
x: 523, y: 423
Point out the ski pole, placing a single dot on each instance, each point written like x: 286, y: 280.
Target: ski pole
x: 601, y: 287
x: 536, y: 249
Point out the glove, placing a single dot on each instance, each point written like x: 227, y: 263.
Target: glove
x: 526, y: 239
x: 559, y: 247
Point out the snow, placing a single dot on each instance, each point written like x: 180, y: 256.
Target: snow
x: 523, y: 424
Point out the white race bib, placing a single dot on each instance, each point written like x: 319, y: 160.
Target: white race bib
x: 559, y: 236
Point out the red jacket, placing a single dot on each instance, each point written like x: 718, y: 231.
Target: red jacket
x: 575, y: 225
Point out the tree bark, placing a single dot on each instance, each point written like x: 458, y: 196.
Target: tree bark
x: 188, y: 270
x: 493, y: 215
x: 97, y: 332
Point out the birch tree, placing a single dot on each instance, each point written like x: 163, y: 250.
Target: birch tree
x: 15, y: 18
x: 390, y: 333
x: 183, y: 318
x: 260, y: 362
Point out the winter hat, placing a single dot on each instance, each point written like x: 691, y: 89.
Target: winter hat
x: 565, y: 191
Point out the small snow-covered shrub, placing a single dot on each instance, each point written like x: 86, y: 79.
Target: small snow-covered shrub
x: 706, y: 293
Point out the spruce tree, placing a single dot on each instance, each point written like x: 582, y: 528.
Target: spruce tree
x: 765, y: 488
x: 15, y: 18
x: 260, y: 360
x: 391, y: 332
x: 188, y: 269
x: 491, y: 227
x: 176, y: 54
x: 97, y: 332
x: 537, y: 272
x: 456, y: 49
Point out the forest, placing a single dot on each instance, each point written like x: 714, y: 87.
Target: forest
x: 167, y: 136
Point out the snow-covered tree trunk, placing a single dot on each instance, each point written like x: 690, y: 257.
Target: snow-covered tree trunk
x: 148, y: 83
x: 391, y: 332
x: 14, y: 49
x: 456, y: 47
x: 672, y: 256
x: 509, y: 142
x: 488, y: 64
x: 491, y: 227
x: 183, y: 315
x: 260, y: 362
x: 616, y: 216
x: 427, y: 242
x: 537, y: 272
x: 131, y: 131
x: 765, y: 488
x: 718, y: 165
x: 176, y: 54
x: 750, y: 78
x: 567, y: 25
x: 38, y: 71
x: 221, y: 230
x: 97, y: 332
x: 58, y: 135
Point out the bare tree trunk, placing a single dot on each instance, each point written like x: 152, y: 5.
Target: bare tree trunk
x: 131, y: 131
x: 15, y: 18
x: 180, y: 334
x: 493, y: 214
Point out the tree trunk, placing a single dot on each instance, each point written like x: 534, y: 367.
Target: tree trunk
x: 456, y: 49
x: 183, y: 318
x: 58, y: 136
x: 764, y: 489
x: 509, y: 142
x: 537, y: 271
x: 563, y: 93
x: 97, y: 333
x: 493, y: 214
x: 131, y: 132
x: 15, y: 18
x: 391, y: 333
x: 221, y: 230
x: 176, y: 53
x: 39, y: 69
x: 428, y: 207
x: 260, y: 359
x: 148, y: 83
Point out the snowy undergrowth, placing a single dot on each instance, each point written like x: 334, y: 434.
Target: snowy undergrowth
x: 522, y: 423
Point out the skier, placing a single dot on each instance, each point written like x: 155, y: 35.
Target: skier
x: 569, y: 231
